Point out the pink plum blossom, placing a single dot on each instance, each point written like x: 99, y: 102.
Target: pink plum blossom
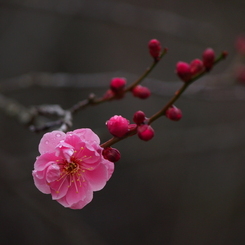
x: 71, y: 166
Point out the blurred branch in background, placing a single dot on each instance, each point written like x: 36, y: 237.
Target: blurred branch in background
x: 125, y: 14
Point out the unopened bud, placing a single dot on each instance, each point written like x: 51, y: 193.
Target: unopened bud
x: 117, y: 126
x: 240, y: 45
x: 139, y: 117
x: 108, y: 94
x: 196, y: 66
x: 145, y: 132
x: 240, y: 75
x: 183, y: 71
x: 208, y: 58
x: 141, y: 92
x: 132, y: 127
x: 117, y: 84
x: 173, y: 113
x: 155, y: 48
x: 111, y: 154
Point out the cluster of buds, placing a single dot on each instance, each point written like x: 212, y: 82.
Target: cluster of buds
x: 118, y: 89
x: 187, y: 72
x: 145, y: 132
x: 120, y: 127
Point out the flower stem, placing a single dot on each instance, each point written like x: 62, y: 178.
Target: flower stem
x: 147, y: 71
x: 162, y: 112
x: 94, y: 101
x: 179, y: 92
x: 114, y: 140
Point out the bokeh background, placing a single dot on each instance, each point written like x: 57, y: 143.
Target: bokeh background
x: 187, y: 185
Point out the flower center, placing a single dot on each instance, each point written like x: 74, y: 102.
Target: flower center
x: 73, y: 171
x: 71, y: 167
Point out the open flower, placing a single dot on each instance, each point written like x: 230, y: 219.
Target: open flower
x: 71, y: 166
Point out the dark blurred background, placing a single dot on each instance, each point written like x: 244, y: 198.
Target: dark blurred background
x: 187, y: 185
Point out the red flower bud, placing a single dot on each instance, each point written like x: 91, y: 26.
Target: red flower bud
x: 117, y: 126
x: 141, y: 92
x: 155, y: 48
x: 132, y: 127
x: 196, y: 66
x: 139, y: 117
x: 240, y: 44
x: 240, y: 75
x: 145, y: 132
x: 208, y: 58
x: 111, y: 154
x: 173, y: 113
x: 183, y: 71
x: 117, y: 84
x: 108, y: 94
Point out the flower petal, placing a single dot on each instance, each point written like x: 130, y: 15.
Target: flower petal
x: 88, y: 135
x: 97, y: 178
x: 59, y: 188
x: 50, y: 140
x: 110, y: 167
x: 88, y: 198
x: 41, y: 184
x: 44, y: 161
x: 53, y: 173
x: 77, y: 192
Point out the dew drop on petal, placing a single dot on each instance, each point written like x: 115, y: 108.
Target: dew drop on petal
x: 46, y: 142
x: 58, y: 135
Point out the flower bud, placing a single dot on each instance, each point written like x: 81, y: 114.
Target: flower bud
x: 117, y: 126
x: 132, y: 127
x: 111, y: 154
x: 240, y: 74
x: 208, y: 58
x: 141, y: 92
x: 117, y: 84
x: 155, y: 48
x: 145, y: 132
x: 183, y: 71
x: 173, y: 113
x: 196, y: 66
x: 240, y: 45
x: 139, y: 117
x: 108, y: 94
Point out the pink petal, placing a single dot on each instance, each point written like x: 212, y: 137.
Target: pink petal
x: 88, y: 156
x: 41, y: 184
x: 53, y: 173
x: 77, y: 192
x: 50, y: 140
x: 97, y: 178
x: 73, y: 139
x: 59, y: 188
x: 110, y: 167
x: 64, y: 150
x: 63, y: 202
x: 87, y: 198
x: 44, y: 161
x: 84, y: 202
x: 88, y: 135
x: 77, y: 200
